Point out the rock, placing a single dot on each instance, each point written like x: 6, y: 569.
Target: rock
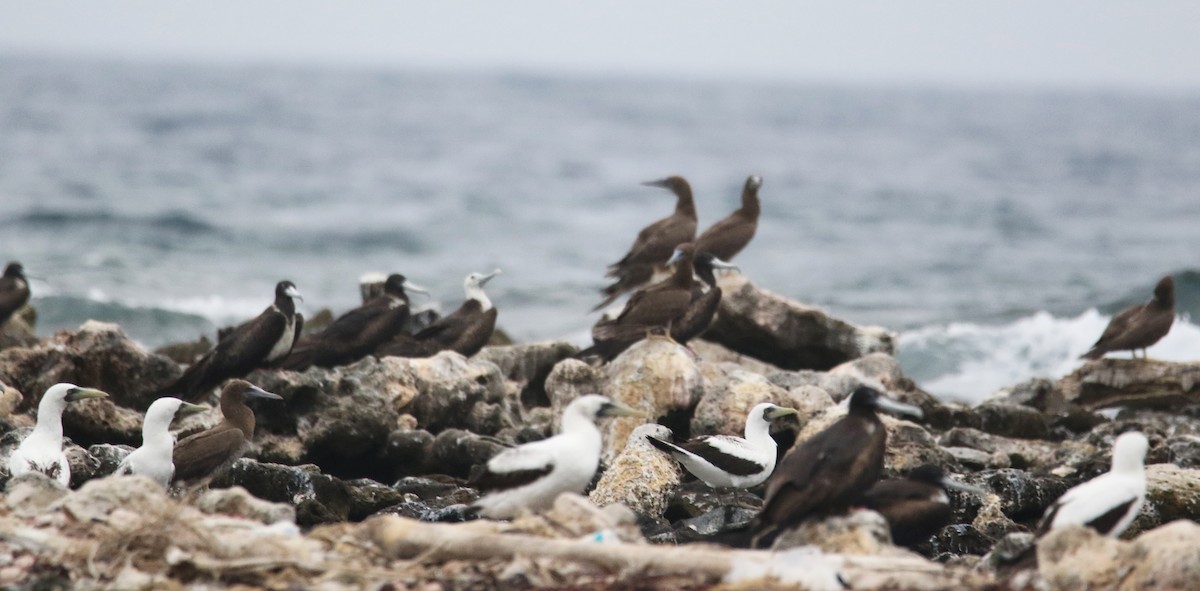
x: 641, y: 477
x: 407, y: 452
x: 809, y: 400
x: 654, y: 375
x: 909, y: 445
x: 766, y: 326
x: 431, y: 499
x: 32, y: 493
x: 1010, y: 550
x: 574, y: 516
x: 1137, y: 383
x: 723, y: 408
x: 1036, y: 393
x: 716, y: 521
x: 455, y: 451
x: 1023, y: 496
x: 990, y: 519
x: 1077, y: 557
x: 238, y: 502
x: 716, y: 355
x: 84, y: 467
x: 98, y: 355
x: 98, y: 499
x: 1023, y: 454
x: 188, y: 353
x: 694, y: 498
x: 1171, y: 493
x: 528, y: 365
x: 1166, y: 557
x: 19, y: 330
x: 317, y: 498
x: 1012, y: 420
x: 90, y: 422
x: 861, y: 532
x: 108, y: 457
x: 959, y: 539
x: 975, y: 459
x: 570, y: 379
x: 10, y: 400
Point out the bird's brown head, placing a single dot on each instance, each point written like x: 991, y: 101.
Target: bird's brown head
x: 15, y: 269
x: 676, y: 184
x: 1164, y: 292
x: 683, y: 253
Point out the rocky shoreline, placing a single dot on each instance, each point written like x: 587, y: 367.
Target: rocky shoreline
x: 329, y: 491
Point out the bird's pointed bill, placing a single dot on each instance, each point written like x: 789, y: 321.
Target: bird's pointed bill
x: 779, y: 411
x: 660, y: 183
x: 489, y: 276
x: 616, y: 409
x: 84, y: 393
x: 413, y: 287
x: 899, y: 408
x: 292, y: 292
x: 719, y: 264
x: 676, y: 257
x: 188, y: 408
x: 257, y: 392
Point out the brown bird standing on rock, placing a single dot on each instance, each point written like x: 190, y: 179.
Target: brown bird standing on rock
x: 726, y: 238
x: 266, y: 339
x: 14, y: 291
x: 654, y: 243
x: 706, y: 299
x: 203, y: 455
x: 1139, y: 327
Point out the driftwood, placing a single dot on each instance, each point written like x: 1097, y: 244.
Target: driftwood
x: 401, y: 538
x: 1140, y: 383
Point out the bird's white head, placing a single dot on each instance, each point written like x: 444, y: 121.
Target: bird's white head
x: 473, y: 286
x: 594, y: 406
x: 166, y: 409
x: 769, y: 412
x: 55, y: 401
x: 1129, y: 452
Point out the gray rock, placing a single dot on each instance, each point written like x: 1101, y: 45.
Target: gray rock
x: 32, y: 493
x: 238, y: 502
x: 654, y: 375
x: 641, y: 477
x: 1139, y: 383
x: 432, y: 499
x: 316, y: 497
x: 528, y: 366
x: 1012, y: 420
x: 100, y: 421
x: 766, y: 326
x: 455, y: 452
x: 108, y: 457
x: 716, y: 521
x: 723, y: 408
x: 570, y: 379
x: 861, y: 532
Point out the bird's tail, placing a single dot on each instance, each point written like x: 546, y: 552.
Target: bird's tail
x: 406, y: 346
x: 301, y: 358
x: 1094, y: 354
x: 628, y: 279
x: 666, y: 446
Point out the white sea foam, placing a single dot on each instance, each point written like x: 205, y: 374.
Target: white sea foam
x: 968, y: 362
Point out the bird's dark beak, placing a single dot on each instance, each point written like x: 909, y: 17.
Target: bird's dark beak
x: 256, y: 392
x: 660, y: 183
x: 187, y: 409
x: 616, y: 409
x: 84, y: 393
x: 899, y: 408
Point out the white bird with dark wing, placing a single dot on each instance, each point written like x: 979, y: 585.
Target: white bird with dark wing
x: 724, y: 461
x: 1107, y: 503
x: 42, y: 450
x: 531, y: 476
x: 153, y: 458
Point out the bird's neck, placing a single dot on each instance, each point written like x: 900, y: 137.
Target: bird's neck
x: 285, y: 304
x: 684, y: 205
x: 750, y: 206
x: 49, y: 424
x: 239, y: 415
x: 707, y: 275
x: 758, y: 432
x: 682, y: 276
x: 475, y: 292
x: 578, y: 425
x: 1128, y: 466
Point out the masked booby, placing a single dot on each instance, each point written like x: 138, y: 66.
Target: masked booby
x: 723, y: 461
x: 1139, y: 327
x: 264, y: 340
x: 654, y: 243
x: 915, y: 506
x: 153, y: 458
x: 1107, y: 503
x: 726, y: 238
x: 466, y: 331
x: 202, y: 455
x: 531, y: 476
x: 829, y: 472
x: 14, y: 291
x: 359, y: 332
x: 42, y: 450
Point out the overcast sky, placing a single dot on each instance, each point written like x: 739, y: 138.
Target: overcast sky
x: 1108, y: 43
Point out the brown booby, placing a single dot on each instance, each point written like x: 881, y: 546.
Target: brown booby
x: 266, y: 339
x: 828, y: 472
x: 1107, y: 503
x: 42, y: 450
x: 202, y: 455
x: 14, y: 291
x: 916, y: 506
x: 654, y: 308
x: 726, y: 238
x: 530, y: 476
x: 654, y: 243
x: 1139, y: 327
x: 706, y: 299
x: 359, y: 332
x: 465, y: 331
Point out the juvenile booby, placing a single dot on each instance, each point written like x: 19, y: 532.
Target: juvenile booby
x: 723, y: 461
x: 14, y: 291
x: 359, y: 332
x: 532, y: 475
x: 828, y: 472
x: 42, y: 450
x: 706, y: 299
x: 266, y: 339
x: 202, y: 455
x: 1139, y: 327
x: 653, y: 308
x: 654, y: 243
x: 466, y: 331
x: 1107, y: 503
x: 153, y: 458
x: 726, y: 238
x: 916, y: 506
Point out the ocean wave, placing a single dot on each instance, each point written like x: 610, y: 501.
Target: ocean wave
x: 967, y: 362
x: 170, y: 221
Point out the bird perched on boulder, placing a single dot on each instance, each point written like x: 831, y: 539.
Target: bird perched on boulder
x: 724, y: 461
x: 42, y: 450
x: 726, y: 238
x: 359, y: 332
x: 828, y: 472
x: 266, y: 339
x: 530, y: 476
x: 466, y: 331
x: 200, y: 456
x: 916, y: 506
x: 654, y: 243
x: 1139, y: 327
x: 706, y: 299
x: 153, y: 458
x: 1107, y: 503
x: 14, y: 291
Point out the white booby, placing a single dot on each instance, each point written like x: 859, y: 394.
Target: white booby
x: 42, y: 450
x: 724, y: 461
x: 153, y: 458
x: 1109, y: 502
x: 531, y: 476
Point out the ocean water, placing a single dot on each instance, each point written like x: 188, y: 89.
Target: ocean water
x: 996, y: 231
